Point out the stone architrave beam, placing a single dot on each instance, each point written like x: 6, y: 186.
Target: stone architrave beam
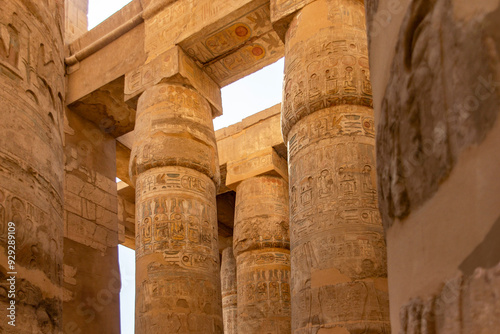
x: 176, y: 67
x: 266, y: 161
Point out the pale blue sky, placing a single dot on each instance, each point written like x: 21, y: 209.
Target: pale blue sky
x: 241, y: 99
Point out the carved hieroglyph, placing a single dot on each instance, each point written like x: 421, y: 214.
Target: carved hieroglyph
x: 229, y: 293
x: 31, y: 160
x: 338, y: 252
x: 433, y: 110
x: 174, y: 159
x: 261, y: 246
x: 465, y: 304
x: 91, y: 274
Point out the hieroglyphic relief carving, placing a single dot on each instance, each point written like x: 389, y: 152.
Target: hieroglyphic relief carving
x: 265, y: 288
x: 337, y: 240
x: 178, y: 221
x: 237, y: 47
x: 174, y: 164
x: 421, y: 131
x: 261, y: 245
x: 247, y: 26
x: 181, y: 227
x: 464, y: 304
x: 31, y: 160
x: 334, y: 206
x: 37, y: 249
x: 335, y: 70
x: 160, y: 181
x: 29, y: 56
x: 159, y: 133
x: 229, y: 291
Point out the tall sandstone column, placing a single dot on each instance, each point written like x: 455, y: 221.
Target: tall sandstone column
x: 31, y: 160
x: 338, y: 253
x: 229, y: 292
x: 174, y: 161
x: 261, y: 246
x: 437, y: 111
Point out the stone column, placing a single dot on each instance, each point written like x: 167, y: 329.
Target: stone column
x: 261, y: 246
x: 175, y: 168
x: 338, y: 253
x: 437, y: 111
x: 229, y: 295
x: 32, y: 167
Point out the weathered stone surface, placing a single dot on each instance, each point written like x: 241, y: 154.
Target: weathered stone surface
x: 162, y: 136
x: 255, y: 133
x: 433, y: 109
x: 229, y: 291
x: 266, y: 161
x: 174, y: 165
x: 231, y: 49
x: 178, y: 283
x: 91, y: 229
x: 282, y: 12
x: 339, y: 276
x: 106, y: 108
x: 179, y: 68
x: 75, y: 22
x: 326, y: 64
x: 126, y: 215
x: 31, y: 163
x: 463, y: 305
x: 434, y: 67
x: 261, y: 245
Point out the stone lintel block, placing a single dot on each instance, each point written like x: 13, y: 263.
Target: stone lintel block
x: 282, y: 12
x: 249, y: 42
x: 265, y: 162
x: 173, y: 66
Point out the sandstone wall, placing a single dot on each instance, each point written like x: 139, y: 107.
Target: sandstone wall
x: 91, y: 275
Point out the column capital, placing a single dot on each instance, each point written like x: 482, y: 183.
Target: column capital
x: 326, y: 66
x: 173, y: 66
x: 174, y: 128
x: 264, y: 162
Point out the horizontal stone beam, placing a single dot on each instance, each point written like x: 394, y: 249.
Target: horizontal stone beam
x: 282, y: 12
x: 265, y: 162
x: 173, y: 66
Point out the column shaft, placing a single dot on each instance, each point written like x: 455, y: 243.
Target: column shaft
x: 338, y: 255
x: 175, y: 161
x: 31, y: 166
x: 261, y: 246
x: 229, y: 292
